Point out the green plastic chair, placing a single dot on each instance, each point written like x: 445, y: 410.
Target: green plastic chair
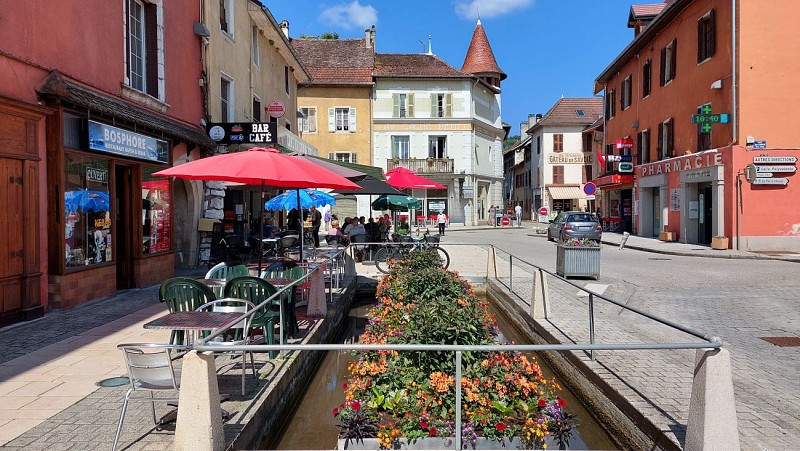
x: 226, y: 271
x: 290, y: 321
x: 182, y: 294
x: 257, y: 290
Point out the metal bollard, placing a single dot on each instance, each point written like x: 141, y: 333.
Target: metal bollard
x: 625, y: 236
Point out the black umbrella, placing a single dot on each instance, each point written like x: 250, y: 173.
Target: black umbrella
x: 371, y: 185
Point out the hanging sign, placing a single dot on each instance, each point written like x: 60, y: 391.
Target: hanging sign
x: 110, y: 139
x: 243, y: 132
x: 276, y: 109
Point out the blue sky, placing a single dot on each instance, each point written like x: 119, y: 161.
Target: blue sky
x: 548, y: 48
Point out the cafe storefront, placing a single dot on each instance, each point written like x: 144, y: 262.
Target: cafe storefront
x: 110, y: 222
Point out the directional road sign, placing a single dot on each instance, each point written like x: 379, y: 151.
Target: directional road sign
x: 771, y: 181
x: 774, y: 160
x: 776, y: 168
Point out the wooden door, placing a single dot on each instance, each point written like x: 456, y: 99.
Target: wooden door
x: 12, y: 248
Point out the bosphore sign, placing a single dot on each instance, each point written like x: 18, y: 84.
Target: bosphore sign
x: 110, y: 139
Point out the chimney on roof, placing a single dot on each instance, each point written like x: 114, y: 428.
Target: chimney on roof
x: 369, y: 37
x: 285, y: 27
x: 430, y: 46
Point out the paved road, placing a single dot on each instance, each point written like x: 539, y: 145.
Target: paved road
x: 738, y: 298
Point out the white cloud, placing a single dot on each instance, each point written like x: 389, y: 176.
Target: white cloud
x: 350, y: 15
x: 471, y: 9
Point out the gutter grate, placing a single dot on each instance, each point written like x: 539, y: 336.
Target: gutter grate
x: 783, y: 342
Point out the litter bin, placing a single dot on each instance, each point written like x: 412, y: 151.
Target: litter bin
x: 497, y: 218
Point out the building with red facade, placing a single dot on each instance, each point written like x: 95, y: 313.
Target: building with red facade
x: 93, y: 100
x: 700, y: 99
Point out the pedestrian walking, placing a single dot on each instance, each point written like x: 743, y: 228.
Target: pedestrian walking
x: 491, y: 215
x: 328, y: 218
x: 316, y: 223
x: 442, y: 220
x: 518, y: 212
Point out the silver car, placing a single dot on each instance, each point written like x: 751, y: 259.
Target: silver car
x: 574, y: 224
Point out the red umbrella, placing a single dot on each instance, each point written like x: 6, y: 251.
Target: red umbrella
x: 259, y: 166
x: 402, y: 178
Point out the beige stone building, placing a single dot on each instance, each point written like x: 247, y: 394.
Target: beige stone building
x: 336, y: 103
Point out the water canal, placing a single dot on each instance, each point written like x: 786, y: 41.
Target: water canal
x: 312, y: 425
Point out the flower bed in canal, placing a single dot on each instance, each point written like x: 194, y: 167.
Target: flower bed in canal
x: 409, y: 395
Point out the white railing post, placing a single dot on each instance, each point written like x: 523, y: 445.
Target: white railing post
x: 538, y: 310
x: 491, y: 264
x: 712, y: 408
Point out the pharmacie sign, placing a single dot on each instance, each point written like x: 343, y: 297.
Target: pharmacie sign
x: 243, y: 132
x: 687, y: 163
x: 110, y: 139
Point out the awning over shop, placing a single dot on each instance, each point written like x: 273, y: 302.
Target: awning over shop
x: 613, y: 180
x: 565, y: 192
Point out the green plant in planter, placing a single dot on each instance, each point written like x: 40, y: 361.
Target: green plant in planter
x: 579, y: 242
x: 411, y: 394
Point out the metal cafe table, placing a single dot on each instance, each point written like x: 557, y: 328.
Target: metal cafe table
x: 194, y: 321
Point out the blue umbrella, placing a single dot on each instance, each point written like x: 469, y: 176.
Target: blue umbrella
x: 308, y: 198
x: 86, y: 200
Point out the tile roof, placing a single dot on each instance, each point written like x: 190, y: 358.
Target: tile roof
x: 644, y: 12
x: 336, y: 61
x: 480, y: 58
x: 56, y: 86
x: 414, y: 65
x: 564, y: 112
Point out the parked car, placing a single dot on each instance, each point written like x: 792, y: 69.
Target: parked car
x: 574, y: 224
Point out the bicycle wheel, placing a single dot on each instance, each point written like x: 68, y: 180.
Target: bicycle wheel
x: 382, y: 257
x: 444, y: 256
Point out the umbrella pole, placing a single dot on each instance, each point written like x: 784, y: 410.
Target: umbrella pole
x: 302, y: 223
x: 261, y: 229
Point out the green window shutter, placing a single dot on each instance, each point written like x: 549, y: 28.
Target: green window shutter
x: 434, y: 105
x: 331, y: 119
x: 410, y: 112
x: 395, y: 105
x: 352, y: 120
x: 448, y: 105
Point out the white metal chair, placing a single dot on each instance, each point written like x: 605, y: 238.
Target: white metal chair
x: 150, y: 370
x: 240, y: 330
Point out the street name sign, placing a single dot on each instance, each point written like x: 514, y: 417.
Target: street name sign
x: 778, y: 168
x: 759, y: 144
x: 770, y: 181
x: 773, y: 160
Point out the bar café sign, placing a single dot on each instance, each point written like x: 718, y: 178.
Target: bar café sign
x: 687, y: 163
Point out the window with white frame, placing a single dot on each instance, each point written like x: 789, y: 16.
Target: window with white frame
x: 403, y: 105
x: 255, y: 47
x: 143, y: 49
x: 437, y: 147
x: 442, y: 105
x: 401, y: 147
x: 308, y: 123
x: 226, y: 99
x: 226, y: 16
x: 643, y: 147
x: 625, y: 91
x: 341, y: 120
x: 668, y: 58
x: 345, y: 157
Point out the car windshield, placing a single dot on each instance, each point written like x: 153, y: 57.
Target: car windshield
x: 587, y: 217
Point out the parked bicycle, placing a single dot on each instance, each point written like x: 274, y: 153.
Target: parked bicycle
x: 404, y: 244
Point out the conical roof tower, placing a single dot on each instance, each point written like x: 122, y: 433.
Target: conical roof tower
x: 480, y: 59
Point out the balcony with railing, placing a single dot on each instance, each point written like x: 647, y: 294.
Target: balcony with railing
x: 422, y: 165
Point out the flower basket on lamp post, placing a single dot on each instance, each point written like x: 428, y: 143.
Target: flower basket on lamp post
x: 578, y: 258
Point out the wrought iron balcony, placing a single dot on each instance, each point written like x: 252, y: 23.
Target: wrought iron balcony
x: 422, y: 165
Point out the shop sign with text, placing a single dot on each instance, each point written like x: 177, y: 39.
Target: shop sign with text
x: 570, y: 158
x: 688, y: 163
x: 243, y: 132
x: 109, y: 139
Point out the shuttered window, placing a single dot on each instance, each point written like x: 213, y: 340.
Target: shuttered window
x: 308, y: 123
x: 668, y: 59
x: 558, y: 174
x: 558, y: 142
x: 341, y: 120
x: 442, y: 105
x: 706, y: 36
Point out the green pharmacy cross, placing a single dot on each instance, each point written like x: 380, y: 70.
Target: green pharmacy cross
x: 706, y: 118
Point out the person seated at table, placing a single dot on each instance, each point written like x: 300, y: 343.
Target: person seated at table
x: 335, y: 235
x: 356, y: 228
x: 269, y: 228
x: 348, y: 223
x: 294, y: 221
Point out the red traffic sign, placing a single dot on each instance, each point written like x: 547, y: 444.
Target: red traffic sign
x: 505, y: 221
x: 589, y: 188
x: 543, y: 211
x: 276, y: 109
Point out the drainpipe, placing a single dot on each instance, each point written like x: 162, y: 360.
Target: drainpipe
x: 734, y: 116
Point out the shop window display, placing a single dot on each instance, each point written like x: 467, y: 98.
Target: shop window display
x: 87, y: 211
x: 156, y: 212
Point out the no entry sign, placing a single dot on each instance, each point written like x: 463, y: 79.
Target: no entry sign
x: 505, y: 221
x: 543, y: 211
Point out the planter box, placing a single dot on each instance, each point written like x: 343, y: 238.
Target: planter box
x: 667, y: 236
x: 436, y: 443
x: 719, y: 242
x: 573, y: 261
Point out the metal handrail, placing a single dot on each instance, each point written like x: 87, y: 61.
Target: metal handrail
x: 666, y: 322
